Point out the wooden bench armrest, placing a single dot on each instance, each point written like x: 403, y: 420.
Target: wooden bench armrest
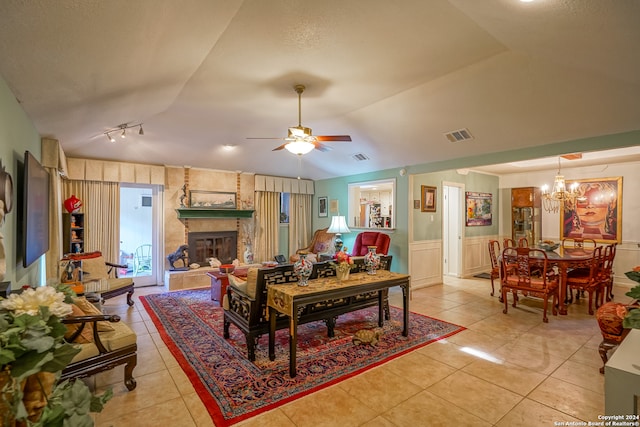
x: 94, y: 319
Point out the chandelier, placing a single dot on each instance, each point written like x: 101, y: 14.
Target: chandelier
x: 551, y: 200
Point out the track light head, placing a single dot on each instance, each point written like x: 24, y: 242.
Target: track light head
x: 122, y: 129
x: 141, y: 131
x: 111, y: 139
x: 123, y: 135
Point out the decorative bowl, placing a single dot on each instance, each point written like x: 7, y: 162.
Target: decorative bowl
x: 227, y: 268
x: 549, y: 246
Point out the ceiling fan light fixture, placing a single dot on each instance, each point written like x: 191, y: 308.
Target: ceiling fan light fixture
x: 299, y: 147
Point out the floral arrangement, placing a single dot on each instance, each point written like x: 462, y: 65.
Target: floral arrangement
x: 631, y: 318
x: 31, y: 345
x: 342, y: 261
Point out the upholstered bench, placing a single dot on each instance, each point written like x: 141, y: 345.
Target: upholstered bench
x: 101, y: 277
x: 104, y: 343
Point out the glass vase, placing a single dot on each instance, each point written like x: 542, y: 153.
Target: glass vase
x: 372, y: 260
x: 303, y: 269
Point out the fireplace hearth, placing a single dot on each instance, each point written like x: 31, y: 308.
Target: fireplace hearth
x: 222, y: 245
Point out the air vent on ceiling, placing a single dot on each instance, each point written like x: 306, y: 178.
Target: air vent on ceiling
x: 360, y: 157
x: 458, y: 135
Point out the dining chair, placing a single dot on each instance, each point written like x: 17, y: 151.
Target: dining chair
x: 587, y: 279
x: 606, y: 274
x: 509, y: 243
x: 494, y: 250
x: 523, y: 242
x: 522, y: 269
x: 578, y: 243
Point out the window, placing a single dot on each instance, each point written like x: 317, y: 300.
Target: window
x: 371, y: 204
x: 284, y: 208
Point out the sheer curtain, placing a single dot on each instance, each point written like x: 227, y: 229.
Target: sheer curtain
x: 55, y: 252
x: 299, y: 221
x: 101, y: 207
x: 268, y: 221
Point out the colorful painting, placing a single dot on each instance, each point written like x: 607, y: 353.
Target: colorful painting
x: 596, y: 212
x: 479, y: 207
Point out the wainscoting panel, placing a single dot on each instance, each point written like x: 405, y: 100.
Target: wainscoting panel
x: 627, y: 257
x: 425, y: 263
x: 476, y: 255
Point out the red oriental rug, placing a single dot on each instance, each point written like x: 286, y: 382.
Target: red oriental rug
x: 234, y: 389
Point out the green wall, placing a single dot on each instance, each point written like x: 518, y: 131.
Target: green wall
x: 17, y: 134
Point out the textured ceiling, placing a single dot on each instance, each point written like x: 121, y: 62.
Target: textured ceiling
x: 395, y: 76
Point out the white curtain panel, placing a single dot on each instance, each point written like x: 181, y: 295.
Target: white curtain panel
x: 268, y: 221
x: 299, y: 221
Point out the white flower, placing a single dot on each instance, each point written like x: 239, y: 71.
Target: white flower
x: 30, y: 301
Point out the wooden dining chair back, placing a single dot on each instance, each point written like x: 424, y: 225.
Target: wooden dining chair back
x: 606, y: 274
x: 526, y: 271
x: 509, y: 243
x: 587, y: 279
x: 579, y: 243
x: 523, y: 242
x: 494, y: 250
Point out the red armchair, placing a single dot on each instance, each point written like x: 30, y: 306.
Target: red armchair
x: 371, y: 238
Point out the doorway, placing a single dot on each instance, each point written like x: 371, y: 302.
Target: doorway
x: 139, y: 233
x: 452, y: 229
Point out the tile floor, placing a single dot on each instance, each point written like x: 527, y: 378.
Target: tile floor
x: 504, y: 370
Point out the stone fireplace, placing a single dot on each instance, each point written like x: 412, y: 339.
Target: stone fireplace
x: 222, y: 245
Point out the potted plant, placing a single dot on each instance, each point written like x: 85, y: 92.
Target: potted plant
x: 33, y: 353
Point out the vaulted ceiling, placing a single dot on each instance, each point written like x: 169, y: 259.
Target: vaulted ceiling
x: 396, y: 76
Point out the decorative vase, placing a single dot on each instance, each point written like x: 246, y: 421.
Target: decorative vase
x: 248, y: 255
x: 72, y: 204
x: 372, y: 260
x: 342, y: 273
x: 303, y: 269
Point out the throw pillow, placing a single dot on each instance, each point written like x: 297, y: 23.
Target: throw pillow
x: 86, y: 336
x: 89, y: 309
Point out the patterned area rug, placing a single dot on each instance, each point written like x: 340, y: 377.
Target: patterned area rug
x: 233, y: 389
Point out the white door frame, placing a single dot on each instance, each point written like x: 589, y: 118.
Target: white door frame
x: 452, y: 211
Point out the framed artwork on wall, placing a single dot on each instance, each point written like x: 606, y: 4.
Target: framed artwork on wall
x: 212, y: 200
x: 596, y: 212
x: 479, y: 207
x: 333, y: 206
x: 428, y: 198
x: 323, y: 208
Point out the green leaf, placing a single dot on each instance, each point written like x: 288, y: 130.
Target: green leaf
x: 30, y: 363
x: 62, y: 356
x: 635, y: 291
x: 632, y: 319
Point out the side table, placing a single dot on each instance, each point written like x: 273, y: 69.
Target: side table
x: 220, y: 281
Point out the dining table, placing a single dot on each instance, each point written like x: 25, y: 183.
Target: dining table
x: 567, y: 259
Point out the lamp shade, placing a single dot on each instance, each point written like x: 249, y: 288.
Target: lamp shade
x: 299, y: 146
x: 338, y: 225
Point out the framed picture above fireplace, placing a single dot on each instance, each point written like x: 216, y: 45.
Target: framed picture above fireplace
x: 212, y: 200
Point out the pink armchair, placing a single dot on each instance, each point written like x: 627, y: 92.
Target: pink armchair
x: 371, y: 238
x: 321, y: 242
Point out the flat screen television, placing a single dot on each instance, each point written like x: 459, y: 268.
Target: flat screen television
x: 35, y: 210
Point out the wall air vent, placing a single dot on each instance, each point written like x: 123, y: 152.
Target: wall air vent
x: 458, y: 135
x: 359, y: 157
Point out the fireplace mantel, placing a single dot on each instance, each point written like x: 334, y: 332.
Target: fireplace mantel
x: 213, y: 213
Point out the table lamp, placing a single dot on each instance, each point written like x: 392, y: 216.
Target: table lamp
x: 338, y: 226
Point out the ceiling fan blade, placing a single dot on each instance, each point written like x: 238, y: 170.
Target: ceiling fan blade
x: 321, y: 147
x: 335, y: 138
x: 280, y: 147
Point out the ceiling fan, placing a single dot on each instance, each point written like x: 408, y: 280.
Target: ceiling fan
x: 299, y: 139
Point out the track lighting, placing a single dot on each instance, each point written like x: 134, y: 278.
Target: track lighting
x: 122, y: 129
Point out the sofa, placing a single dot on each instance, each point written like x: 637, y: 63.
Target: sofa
x: 245, y: 305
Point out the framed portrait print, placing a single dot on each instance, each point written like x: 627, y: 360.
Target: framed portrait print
x: 323, y: 207
x: 428, y: 198
x: 596, y: 212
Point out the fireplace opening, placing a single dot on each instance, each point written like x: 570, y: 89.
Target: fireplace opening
x: 222, y: 245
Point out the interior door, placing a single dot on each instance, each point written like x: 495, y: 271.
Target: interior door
x: 139, y: 233
x: 452, y: 230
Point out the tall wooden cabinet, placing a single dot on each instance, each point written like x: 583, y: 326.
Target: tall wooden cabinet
x: 73, y: 233
x: 526, y: 215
